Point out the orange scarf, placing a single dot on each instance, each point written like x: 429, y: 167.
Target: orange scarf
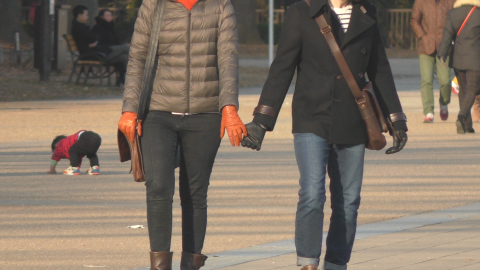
x: 188, y: 3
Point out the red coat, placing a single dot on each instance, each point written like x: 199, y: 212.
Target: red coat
x: 61, y: 151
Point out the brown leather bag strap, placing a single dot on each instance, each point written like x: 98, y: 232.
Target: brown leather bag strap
x: 148, y: 74
x: 337, y: 53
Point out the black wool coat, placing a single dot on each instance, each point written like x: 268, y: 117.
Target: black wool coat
x: 466, y: 53
x: 104, y: 32
x: 323, y: 103
x: 82, y: 36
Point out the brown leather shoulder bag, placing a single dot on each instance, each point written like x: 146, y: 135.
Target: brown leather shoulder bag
x: 133, y: 151
x: 366, y: 99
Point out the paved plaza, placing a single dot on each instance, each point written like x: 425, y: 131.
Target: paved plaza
x: 420, y: 208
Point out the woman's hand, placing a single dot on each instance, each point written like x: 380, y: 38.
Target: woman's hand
x: 127, y: 125
x: 93, y: 45
x: 399, y: 142
x: 235, y: 127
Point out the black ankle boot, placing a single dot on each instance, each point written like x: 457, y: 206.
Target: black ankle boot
x: 460, y: 124
x: 192, y: 261
x: 161, y: 260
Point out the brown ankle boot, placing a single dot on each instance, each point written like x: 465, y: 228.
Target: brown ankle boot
x: 192, y: 261
x: 310, y: 267
x: 161, y: 260
x: 476, y: 109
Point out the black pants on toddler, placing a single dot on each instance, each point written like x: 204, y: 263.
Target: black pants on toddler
x: 87, y: 145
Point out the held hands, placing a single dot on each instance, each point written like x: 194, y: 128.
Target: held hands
x: 443, y: 61
x: 256, y: 133
x: 127, y: 125
x: 235, y: 127
x: 398, y: 142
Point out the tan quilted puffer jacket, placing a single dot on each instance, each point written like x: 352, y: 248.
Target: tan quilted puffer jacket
x: 428, y: 21
x: 198, y: 58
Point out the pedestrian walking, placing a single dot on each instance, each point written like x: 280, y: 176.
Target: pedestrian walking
x: 330, y: 134
x: 463, y: 27
x: 194, y: 99
x: 428, y: 21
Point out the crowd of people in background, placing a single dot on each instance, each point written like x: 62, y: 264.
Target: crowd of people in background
x: 438, y: 24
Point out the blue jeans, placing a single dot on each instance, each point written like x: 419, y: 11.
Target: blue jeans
x: 344, y: 164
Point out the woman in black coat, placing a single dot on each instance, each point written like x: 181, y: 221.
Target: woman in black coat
x: 329, y: 131
x: 104, y: 29
x: 466, y: 56
x: 109, y: 43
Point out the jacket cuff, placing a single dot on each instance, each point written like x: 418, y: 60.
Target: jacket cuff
x: 228, y: 99
x: 400, y: 125
x: 265, y: 120
x: 130, y: 105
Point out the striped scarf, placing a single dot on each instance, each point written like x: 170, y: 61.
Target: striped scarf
x: 344, y: 14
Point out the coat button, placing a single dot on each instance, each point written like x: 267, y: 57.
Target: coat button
x: 361, y: 75
x: 363, y: 51
x: 338, y: 77
x: 335, y: 100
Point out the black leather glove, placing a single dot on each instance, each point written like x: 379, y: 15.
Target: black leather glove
x: 254, y: 139
x: 398, y: 142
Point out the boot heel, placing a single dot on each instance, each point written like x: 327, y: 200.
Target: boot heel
x: 161, y: 260
x: 192, y: 261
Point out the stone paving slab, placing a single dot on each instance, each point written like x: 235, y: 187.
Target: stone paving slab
x: 445, y: 245
x: 403, y: 241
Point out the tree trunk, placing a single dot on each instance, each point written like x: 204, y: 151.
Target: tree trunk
x: 11, y: 20
x: 245, y: 12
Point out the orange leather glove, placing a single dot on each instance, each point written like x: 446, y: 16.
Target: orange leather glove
x: 235, y: 128
x: 128, y: 124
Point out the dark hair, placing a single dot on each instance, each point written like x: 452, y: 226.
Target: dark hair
x: 57, y: 140
x: 77, y: 10
x: 103, y: 11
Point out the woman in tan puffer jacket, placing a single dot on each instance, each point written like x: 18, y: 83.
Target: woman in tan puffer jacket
x: 194, y: 99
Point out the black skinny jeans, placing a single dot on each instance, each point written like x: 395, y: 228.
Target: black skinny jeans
x: 469, y: 82
x: 199, y: 140
x: 88, y: 145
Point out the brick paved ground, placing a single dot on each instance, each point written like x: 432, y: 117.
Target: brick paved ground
x: 59, y: 222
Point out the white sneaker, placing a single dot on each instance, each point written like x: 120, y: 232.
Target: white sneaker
x: 72, y: 171
x: 95, y: 170
x: 428, y: 118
